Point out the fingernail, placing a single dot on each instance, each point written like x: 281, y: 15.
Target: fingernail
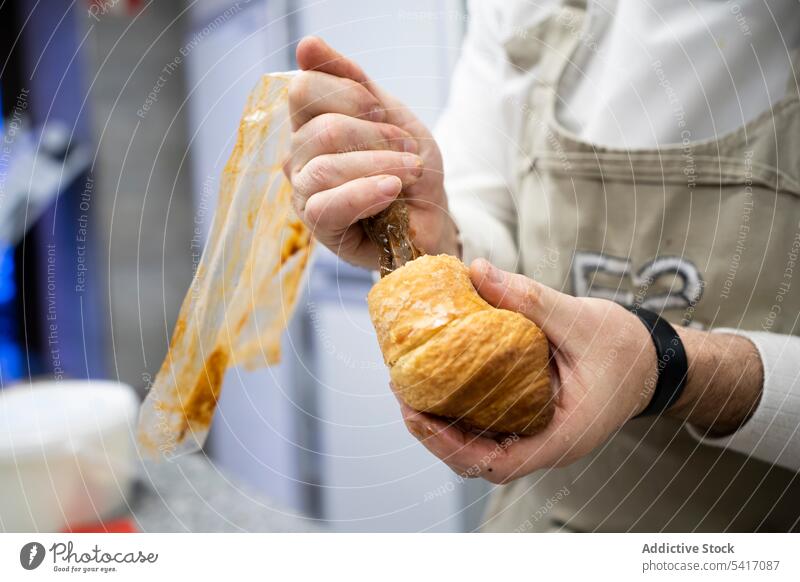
x: 412, y: 161
x: 388, y: 186
x: 494, y: 274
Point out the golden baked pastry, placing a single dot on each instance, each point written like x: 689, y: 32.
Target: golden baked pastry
x: 452, y: 354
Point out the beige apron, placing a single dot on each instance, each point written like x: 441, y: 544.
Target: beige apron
x: 700, y: 232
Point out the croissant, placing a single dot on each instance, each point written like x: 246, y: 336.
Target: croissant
x: 452, y: 354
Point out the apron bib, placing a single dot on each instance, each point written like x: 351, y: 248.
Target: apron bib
x: 700, y: 232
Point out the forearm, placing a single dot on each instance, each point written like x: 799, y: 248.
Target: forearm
x: 724, y: 384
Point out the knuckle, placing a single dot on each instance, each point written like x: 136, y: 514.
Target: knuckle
x: 300, y: 181
x: 374, y: 159
x: 397, y: 139
x: 332, y: 132
x: 414, y: 429
x: 298, y: 204
x: 397, y: 134
x: 365, y: 101
x: 529, y: 298
x: 348, y: 201
x: 299, y: 89
x: 295, y: 143
x: 390, y: 133
x: 315, y: 175
x: 298, y: 151
x: 416, y: 171
x: 312, y: 214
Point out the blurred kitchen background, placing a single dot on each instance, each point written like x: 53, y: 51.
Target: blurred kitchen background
x: 118, y: 117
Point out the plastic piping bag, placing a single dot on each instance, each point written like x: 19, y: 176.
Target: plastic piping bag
x: 245, y: 287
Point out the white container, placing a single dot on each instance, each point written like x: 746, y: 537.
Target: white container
x: 67, y: 454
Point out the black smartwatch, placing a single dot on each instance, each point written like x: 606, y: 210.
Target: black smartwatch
x: 673, y: 366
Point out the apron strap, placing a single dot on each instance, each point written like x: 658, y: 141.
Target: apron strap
x: 548, y: 44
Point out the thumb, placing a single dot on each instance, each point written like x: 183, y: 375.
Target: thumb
x: 314, y: 54
x: 555, y: 313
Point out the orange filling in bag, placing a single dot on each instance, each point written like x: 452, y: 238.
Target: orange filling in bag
x: 246, y: 284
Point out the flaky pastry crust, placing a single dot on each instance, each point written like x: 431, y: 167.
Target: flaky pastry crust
x: 452, y: 354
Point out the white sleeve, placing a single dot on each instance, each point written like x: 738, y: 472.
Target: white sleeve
x: 771, y: 434
x: 474, y: 143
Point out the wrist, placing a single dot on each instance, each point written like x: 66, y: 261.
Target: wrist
x: 666, y: 364
x: 724, y: 382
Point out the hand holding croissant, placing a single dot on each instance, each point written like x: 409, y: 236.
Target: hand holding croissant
x: 452, y: 354
x: 592, y: 397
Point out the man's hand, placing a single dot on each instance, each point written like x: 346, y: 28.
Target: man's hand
x: 604, y: 373
x: 354, y: 149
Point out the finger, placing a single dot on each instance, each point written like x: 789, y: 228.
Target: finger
x: 331, y: 212
x: 331, y: 170
x: 468, y: 454
x: 556, y: 313
x: 313, y: 53
x: 557, y: 446
x: 335, y: 133
x: 312, y: 93
x: 499, y: 459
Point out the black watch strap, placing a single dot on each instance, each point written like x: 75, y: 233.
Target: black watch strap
x: 673, y: 366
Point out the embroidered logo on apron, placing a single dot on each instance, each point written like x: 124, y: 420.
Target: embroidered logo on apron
x: 659, y: 284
